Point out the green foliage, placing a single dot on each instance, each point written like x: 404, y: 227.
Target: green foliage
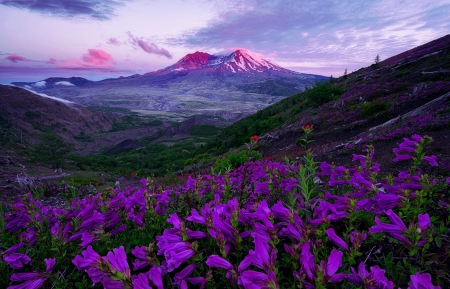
x: 204, y: 130
x: 322, y: 92
x: 131, y: 121
x: 402, y: 73
x: 52, y: 149
x: 233, y: 160
x: 371, y: 109
x: 5, y: 127
x: 271, y: 87
x: 157, y: 159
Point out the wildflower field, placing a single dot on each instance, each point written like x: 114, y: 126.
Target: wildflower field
x: 265, y: 224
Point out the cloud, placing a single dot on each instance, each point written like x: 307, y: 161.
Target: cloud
x: 307, y: 31
x: 113, y: 41
x: 93, y: 59
x: 98, y: 57
x: 40, y: 84
x: 150, y: 48
x: 93, y: 9
x: 15, y: 58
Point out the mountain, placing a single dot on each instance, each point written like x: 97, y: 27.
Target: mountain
x: 242, y: 61
x: 225, y: 87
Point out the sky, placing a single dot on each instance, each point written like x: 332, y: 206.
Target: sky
x: 99, y: 39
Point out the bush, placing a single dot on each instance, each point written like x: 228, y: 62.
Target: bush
x: 370, y: 109
x: 234, y: 160
x: 52, y: 149
x: 322, y: 93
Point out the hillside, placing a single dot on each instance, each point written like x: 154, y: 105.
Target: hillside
x: 402, y: 95
x: 27, y: 115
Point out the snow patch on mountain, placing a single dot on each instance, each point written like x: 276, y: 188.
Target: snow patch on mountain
x: 65, y: 83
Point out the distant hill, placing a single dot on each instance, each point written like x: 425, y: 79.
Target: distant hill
x: 25, y: 115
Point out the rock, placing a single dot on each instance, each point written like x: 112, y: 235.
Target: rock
x: 5, y: 160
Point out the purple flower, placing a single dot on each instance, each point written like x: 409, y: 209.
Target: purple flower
x: 155, y: 274
x: 87, y: 239
x: 397, y: 227
x: 49, y: 264
x: 118, y: 261
x: 32, y: 280
x: 424, y: 221
x: 333, y: 263
x: 141, y: 257
x: 336, y: 239
x: 184, y: 274
x: 356, y: 238
x: 431, y: 160
x: 141, y: 282
x: 373, y: 279
x: 255, y: 280
x: 17, y: 260
x: 14, y: 248
x: 214, y: 261
x: 90, y: 258
x: 421, y: 281
x: 307, y: 261
x: 174, y: 260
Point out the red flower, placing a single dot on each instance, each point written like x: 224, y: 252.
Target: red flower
x: 307, y: 127
x: 254, y: 138
x: 133, y: 174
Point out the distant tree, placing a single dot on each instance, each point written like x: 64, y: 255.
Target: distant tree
x: 345, y: 74
x: 377, y: 59
x: 331, y: 79
x: 51, y: 149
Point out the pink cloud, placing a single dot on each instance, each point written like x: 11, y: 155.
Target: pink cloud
x: 150, y: 48
x: 93, y: 59
x: 15, y: 58
x: 98, y: 57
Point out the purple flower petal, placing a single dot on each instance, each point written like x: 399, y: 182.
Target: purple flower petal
x: 214, y: 261
x: 336, y: 239
x: 334, y: 262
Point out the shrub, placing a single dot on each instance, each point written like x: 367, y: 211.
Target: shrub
x: 322, y: 93
x: 234, y: 160
x: 371, y: 109
x: 52, y: 149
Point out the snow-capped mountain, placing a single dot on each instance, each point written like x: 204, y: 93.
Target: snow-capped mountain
x: 241, y: 61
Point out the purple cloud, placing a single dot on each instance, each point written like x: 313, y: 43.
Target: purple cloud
x: 113, y: 41
x: 320, y: 34
x: 15, y: 58
x: 150, y: 48
x: 94, y: 9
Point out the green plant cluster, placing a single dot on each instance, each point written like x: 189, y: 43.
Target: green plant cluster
x: 323, y: 92
x: 370, y: 109
x: 157, y: 159
x: 234, y: 160
x: 131, y: 121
